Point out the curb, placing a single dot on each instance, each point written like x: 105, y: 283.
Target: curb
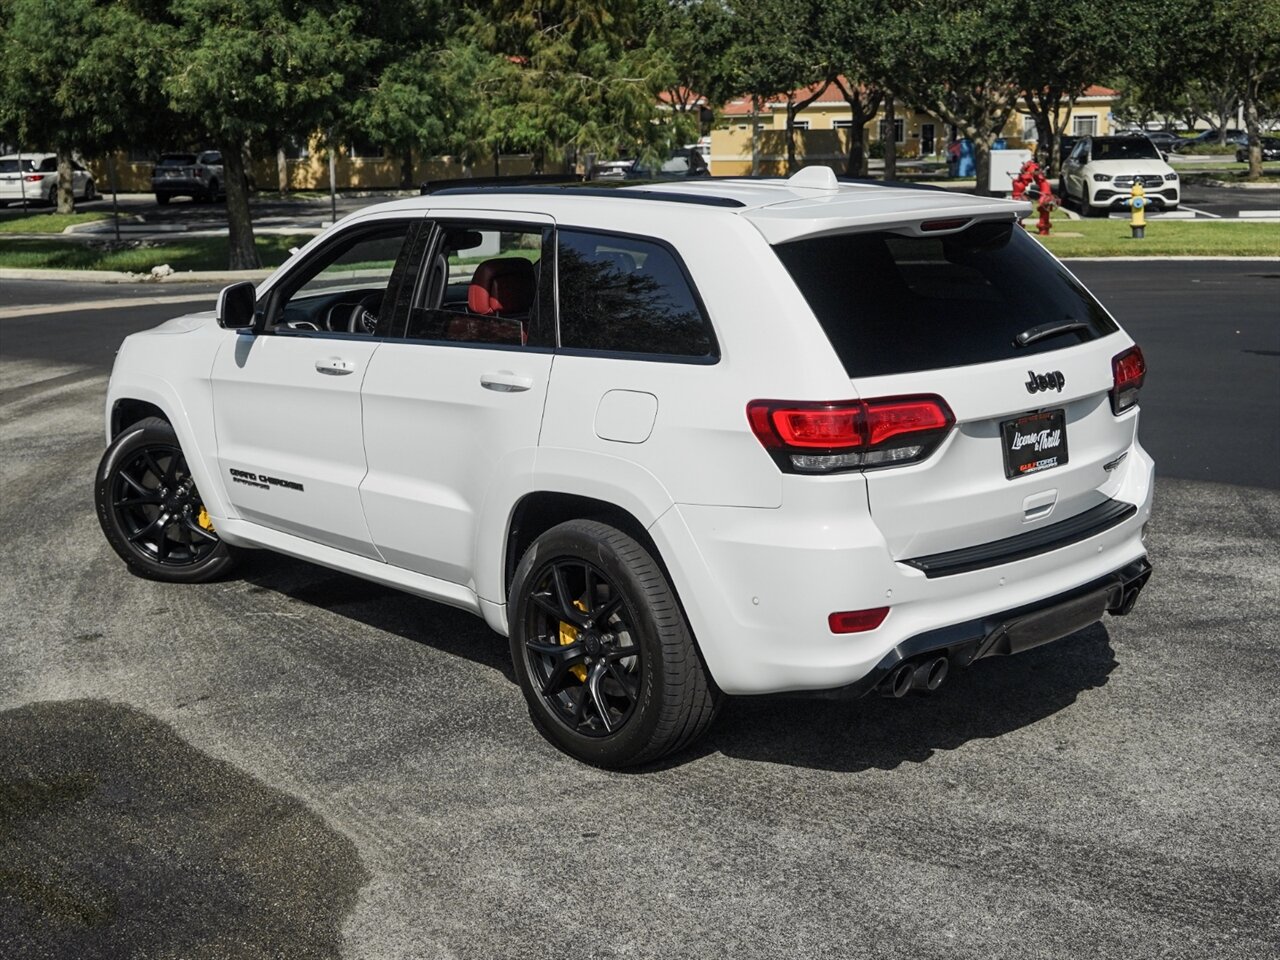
x: 118, y: 276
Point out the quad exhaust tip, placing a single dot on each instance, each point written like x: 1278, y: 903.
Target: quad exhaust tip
x: 924, y: 675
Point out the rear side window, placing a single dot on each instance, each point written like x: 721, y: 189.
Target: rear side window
x: 894, y: 304
x: 622, y: 294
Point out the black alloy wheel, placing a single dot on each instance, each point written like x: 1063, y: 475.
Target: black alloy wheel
x: 151, y: 511
x: 580, y: 648
x: 601, y: 648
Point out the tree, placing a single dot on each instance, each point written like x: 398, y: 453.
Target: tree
x: 959, y: 60
x: 1247, y: 42
x: 84, y: 80
x: 852, y: 31
x: 247, y: 70
x: 569, y: 75
x: 1058, y: 64
x: 401, y: 107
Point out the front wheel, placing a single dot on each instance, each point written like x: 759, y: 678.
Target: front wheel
x: 90, y: 191
x: 151, y: 511
x: 602, y: 651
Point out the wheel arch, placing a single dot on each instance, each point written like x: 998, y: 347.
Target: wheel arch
x: 126, y: 411
x: 538, y: 511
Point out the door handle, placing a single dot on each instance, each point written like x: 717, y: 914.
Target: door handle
x: 504, y: 381
x: 335, y: 366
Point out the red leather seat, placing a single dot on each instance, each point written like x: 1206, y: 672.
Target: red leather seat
x: 502, y: 287
x: 500, y: 297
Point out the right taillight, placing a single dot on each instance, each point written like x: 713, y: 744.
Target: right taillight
x: 1129, y: 370
x: 806, y: 437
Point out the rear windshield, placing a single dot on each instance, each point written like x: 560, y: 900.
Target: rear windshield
x: 1124, y: 148
x: 11, y: 166
x: 176, y: 160
x: 893, y: 304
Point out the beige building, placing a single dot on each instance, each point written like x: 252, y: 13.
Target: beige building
x: 822, y: 127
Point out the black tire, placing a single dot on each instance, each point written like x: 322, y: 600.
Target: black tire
x: 150, y: 510
x: 162, y: 198
x: 616, y: 680
x: 90, y: 191
x: 211, y: 195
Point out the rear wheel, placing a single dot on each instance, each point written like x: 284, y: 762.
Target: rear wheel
x: 602, y: 651
x: 211, y: 194
x: 162, y: 198
x: 151, y: 511
x: 90, y: 191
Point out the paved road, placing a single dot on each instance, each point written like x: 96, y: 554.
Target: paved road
x: 296, y: 763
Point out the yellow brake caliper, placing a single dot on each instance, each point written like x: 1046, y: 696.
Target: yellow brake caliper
x: 568, y: 634
x: 204, y: 520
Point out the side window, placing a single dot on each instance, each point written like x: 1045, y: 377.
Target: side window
x: 343, y: 287
x: 48, y: 165
x: 484, y: 284
x: 622, y: 294
x: 211, y: 159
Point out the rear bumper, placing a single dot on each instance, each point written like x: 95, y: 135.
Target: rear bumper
x: 1013, y: 631
x: 758, y: 585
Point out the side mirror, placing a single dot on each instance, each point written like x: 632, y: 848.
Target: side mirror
x: 236, y: 305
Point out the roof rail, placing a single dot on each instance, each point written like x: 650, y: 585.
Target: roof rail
x: 532, y: 179
x: 625, y: 190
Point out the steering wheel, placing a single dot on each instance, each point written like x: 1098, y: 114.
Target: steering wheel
x: 364, y: 315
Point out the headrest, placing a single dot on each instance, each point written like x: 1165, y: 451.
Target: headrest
x: 502, y: 285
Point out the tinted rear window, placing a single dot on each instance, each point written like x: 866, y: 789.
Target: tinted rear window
x: 176, y: 160
x: 892, y: 304
x: 1125, y: 148
x: 11, y: 166
x: 624, y: 294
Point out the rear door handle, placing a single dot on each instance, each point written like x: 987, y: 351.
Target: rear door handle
x: 504, y: 381
x: 335, y: 366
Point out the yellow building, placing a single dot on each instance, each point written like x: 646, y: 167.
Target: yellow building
x: 822, y: 137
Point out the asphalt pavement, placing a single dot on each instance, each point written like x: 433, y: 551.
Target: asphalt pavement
x: 295, y: 763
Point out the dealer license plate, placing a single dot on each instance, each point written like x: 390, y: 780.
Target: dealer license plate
x: 1035, y: 442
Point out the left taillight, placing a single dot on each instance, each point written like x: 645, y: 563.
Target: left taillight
x: 1128, y: 372
x: 817, y: 438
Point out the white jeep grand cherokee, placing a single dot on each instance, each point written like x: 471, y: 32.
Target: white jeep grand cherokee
x: 676, y: 441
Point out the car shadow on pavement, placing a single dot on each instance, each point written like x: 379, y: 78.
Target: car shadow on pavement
x: 992, y: 698
x: 826, y: 730
x: 120, y: 839
x: 441, y: 627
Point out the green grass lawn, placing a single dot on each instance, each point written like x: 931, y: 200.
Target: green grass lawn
x: 46, y: 222
x: 192, y: 253
x: 1193, y: 238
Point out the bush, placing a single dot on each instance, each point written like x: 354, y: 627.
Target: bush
x: 1210, y: 149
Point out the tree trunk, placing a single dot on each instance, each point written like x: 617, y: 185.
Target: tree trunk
x: 406, y: 169
x: 791, y: 135
x: 755, y: 136
x: 66, y: 185
x: 861, y: 112
x: 282, y: 171
x: 982, y: 160
x: 890, y: 138
x: 1254, y: 127
x: 243, y: 255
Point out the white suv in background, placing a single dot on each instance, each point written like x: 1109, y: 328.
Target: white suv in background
x: 1100, y: 172
x: 675, y: 441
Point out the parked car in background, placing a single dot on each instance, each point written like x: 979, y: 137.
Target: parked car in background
x: 1101, y: 172
x: 1206, y: 138
x: 1166, y: 141
x: 1270, y: 149
x: 195, y: 175
x: 34, y: 177
x: 687, y: 161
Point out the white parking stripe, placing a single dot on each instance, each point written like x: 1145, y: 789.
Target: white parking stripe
x: 1203, y: 213
x: 40, y: 308
x: 1267, y: 214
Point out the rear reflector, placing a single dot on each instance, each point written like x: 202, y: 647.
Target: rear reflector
x: 1129, y: 372
x: 857, y: 621
x: 805, y: 437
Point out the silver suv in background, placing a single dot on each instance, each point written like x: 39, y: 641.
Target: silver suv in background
x: 195, y: 175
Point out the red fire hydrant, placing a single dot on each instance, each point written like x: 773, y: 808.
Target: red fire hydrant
x: 1033, y: 178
